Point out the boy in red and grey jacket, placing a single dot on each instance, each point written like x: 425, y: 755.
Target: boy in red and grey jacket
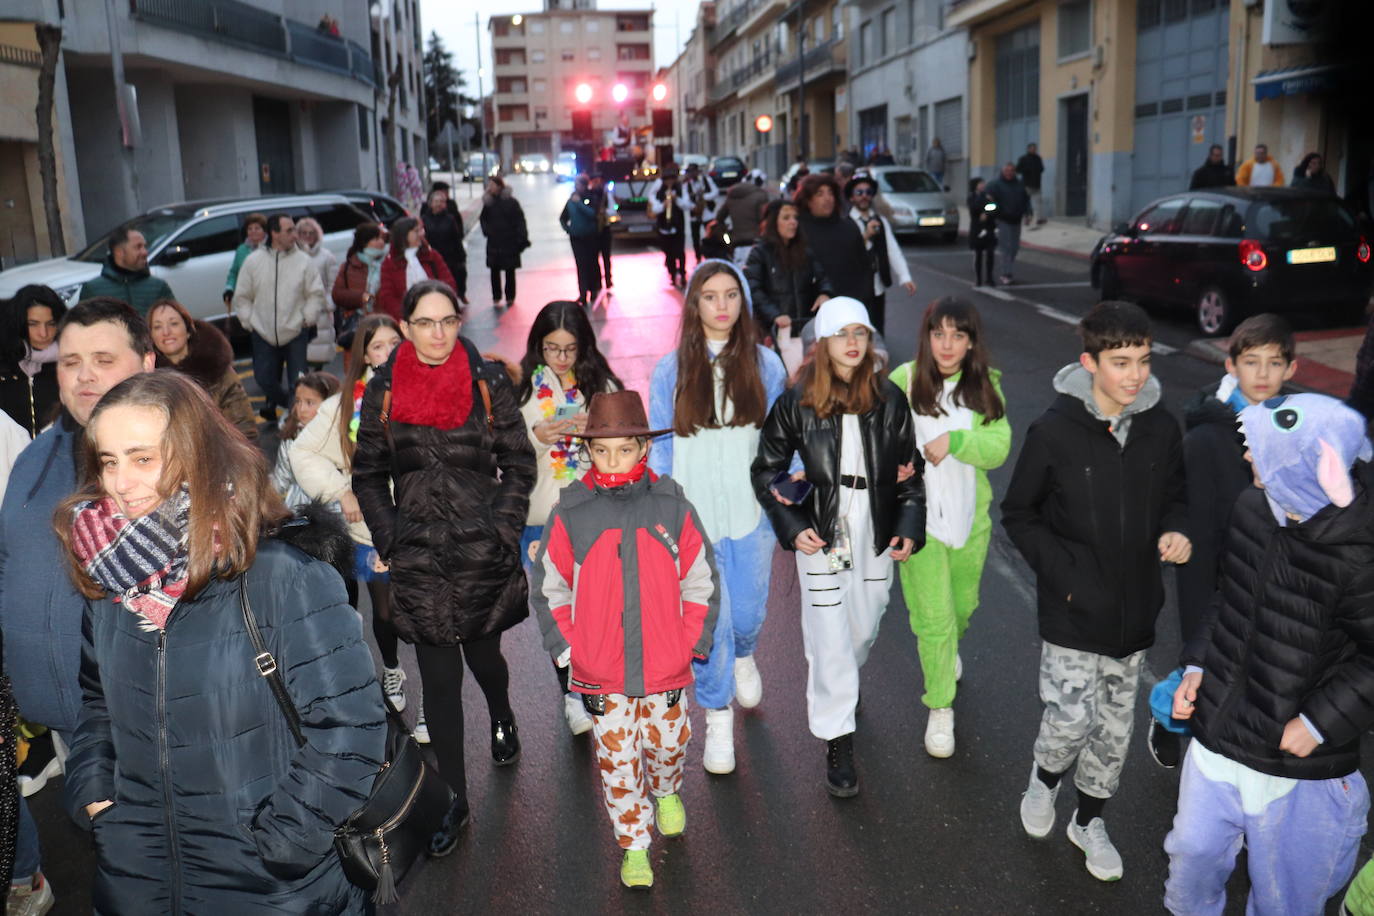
x: 626, y: 592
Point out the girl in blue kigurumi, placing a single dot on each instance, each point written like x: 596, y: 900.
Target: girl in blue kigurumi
x: 714, y: 392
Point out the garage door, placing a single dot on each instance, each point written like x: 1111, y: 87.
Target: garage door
x: 1180, y: 92
x: 1018, y: 91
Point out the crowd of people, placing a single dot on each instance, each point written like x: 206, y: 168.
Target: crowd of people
x: 467, y: 494
x: 1261, y: 171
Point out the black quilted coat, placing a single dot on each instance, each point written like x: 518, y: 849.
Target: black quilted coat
x: 1291, y: 632
x: 452, y: 531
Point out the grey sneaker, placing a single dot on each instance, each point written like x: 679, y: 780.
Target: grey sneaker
x: 421, y: 732
x: 1037, y: 807
x: 27, y: 900
x: 393, y: 685
x: 1103, y: 861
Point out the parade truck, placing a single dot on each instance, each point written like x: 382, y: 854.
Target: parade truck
x: 628, y: 158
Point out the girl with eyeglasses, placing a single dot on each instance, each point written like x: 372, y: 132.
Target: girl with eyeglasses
x: 443, y: 471
x: 560, y: 372
x: 853, y: 431
x: 714, y: 392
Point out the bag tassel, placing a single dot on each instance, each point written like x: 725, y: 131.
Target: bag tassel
x: 386, y: 881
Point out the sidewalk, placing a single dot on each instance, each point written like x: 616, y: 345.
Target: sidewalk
x: 1326, y: 358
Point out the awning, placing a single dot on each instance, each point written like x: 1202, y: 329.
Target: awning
x: 1273, y: 84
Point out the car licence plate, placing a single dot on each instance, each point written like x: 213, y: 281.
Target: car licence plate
x: 932, y: 221
x: 1311, y: 255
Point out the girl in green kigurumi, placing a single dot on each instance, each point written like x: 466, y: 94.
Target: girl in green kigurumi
x: 962, y: 431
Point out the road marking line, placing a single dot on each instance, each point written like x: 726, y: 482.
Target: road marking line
x: 1162, y: 349
x: 997, y: 294
x: 1052, y: 313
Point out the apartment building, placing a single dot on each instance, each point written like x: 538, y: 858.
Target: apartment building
x: 908, y: 82
x: 690, y: 80
x: 760, y: 48
x: 228, y: 98
x: 539, y: 60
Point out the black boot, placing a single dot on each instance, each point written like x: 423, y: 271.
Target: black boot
x: 450, y: 831
x: 1165, y: 746
x: 505, y: 742
x: 841, y: 779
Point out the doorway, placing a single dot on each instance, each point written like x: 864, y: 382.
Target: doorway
x: 276, y: 161
x: 1075, y: 121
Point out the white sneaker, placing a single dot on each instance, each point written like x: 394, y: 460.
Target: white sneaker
x: 748, y: 684
x: 958, y: 667
x: 719, y: 756
x: 393, y: 685
x: 27, y: 900
x: 1103, y: 861
x: 1037, y: 806
x: 421, y: 732
x: 30, y: 785
x: 579, y: 723
x: 940, y: 733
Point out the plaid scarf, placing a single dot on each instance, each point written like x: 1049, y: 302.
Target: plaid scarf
x: 142, y: 561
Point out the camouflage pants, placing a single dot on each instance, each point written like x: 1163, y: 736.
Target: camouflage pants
x: 1089, y: 712
x: 641, y: 746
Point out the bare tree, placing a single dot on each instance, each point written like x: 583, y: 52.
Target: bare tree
x: 49, y: 45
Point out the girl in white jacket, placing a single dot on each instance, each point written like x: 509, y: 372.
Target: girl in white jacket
x: 322, y: 456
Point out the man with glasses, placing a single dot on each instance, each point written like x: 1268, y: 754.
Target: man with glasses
x: 889, y: 264
x: 279, y: 294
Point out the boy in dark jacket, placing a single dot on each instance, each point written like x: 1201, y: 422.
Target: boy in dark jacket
x: 625, y: 532
x: 1280, y: 679
x: 1261, y: 359
x: 1095, y: 503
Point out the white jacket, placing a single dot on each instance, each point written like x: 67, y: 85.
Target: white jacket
x: 318, y: 460
x: 321, y: 348
x: 13, y: 440
x: 278, y: 294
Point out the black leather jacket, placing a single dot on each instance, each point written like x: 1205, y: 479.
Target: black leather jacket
x: 776, y: 290
x: 899, y: 509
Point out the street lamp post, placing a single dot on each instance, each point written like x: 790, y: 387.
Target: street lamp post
x: 481, y: 98
x: 801, y: 77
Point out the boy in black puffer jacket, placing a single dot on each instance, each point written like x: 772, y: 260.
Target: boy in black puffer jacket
x: 1095, y: 504
x: 1282, y: 672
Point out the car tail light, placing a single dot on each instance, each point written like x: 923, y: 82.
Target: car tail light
x: 1362, y: 250
x: 1252, y: 255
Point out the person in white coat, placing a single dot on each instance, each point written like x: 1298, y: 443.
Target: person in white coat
x: 889, y: 264
x: 13, y: 440
x: 310, y: 238
x: 322, y: 458
x: 704, y: 194
x: 278, y: 295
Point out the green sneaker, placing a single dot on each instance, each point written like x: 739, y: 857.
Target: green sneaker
x: 635, y: 870
x: 672, y: 817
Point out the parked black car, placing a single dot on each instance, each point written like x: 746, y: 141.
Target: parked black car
x: 1229, y: 252
x: 727, y: 170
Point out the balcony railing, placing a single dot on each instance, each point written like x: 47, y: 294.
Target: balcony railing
x: 821, y: 57
x: 248, y: 26
x: 21, y: 57
x: 761, y: 65
x: 726, y: 25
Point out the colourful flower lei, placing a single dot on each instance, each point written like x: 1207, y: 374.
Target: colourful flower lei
x: 563, y: 454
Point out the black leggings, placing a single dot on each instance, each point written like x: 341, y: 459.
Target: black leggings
x: 982, y: 265
x: 441, y: 678
x: 382, y: 628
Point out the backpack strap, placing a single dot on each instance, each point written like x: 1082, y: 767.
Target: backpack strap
x: 486, y: 403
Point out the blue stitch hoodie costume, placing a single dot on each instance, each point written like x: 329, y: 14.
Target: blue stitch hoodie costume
x: 712, y: 465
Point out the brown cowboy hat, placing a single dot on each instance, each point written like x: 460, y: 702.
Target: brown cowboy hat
x: 618, y: 414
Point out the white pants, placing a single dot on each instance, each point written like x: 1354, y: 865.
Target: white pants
x: 840, y: 616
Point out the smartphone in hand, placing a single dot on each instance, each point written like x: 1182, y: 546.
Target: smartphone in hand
x: 794, y: 490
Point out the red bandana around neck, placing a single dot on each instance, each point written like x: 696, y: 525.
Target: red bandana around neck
x: 425, y: 395
x: 610, y: 481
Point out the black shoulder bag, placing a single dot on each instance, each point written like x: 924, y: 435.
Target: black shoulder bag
x: 379, y: 842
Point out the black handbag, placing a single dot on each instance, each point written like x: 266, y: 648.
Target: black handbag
x: 379, y: 842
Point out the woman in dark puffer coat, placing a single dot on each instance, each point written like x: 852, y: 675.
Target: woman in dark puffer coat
x: 198, y: 799
x: 440, y: 425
